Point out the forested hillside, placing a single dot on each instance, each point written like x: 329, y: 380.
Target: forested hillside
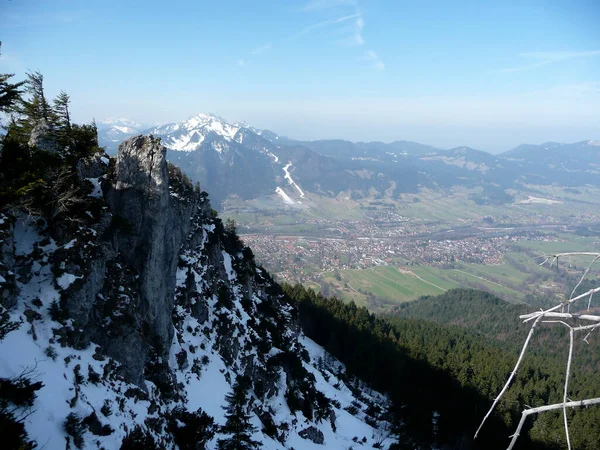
x: 430, y: 367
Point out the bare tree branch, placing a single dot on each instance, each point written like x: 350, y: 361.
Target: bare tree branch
x: 556, y: 317
x: 532, y: 316
x: 528, y: 412
x: 511, y: 377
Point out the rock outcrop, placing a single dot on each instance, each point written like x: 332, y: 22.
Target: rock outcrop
x: 139, y: 195
x: 42, y: 138
x: 312, y: 434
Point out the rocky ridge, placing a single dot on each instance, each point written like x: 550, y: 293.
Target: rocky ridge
x: 153, y: 308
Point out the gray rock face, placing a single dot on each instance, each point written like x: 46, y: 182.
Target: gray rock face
x: 140, y: 195
x: 124, y: 297
x: 92, y: 167
x: 41, y: 137
x: 125, y: 261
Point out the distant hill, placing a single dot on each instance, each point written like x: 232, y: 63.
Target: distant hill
x: 236, y: 160
x: 113, y: 131
x: 552, y: 162
x: 479, y: 311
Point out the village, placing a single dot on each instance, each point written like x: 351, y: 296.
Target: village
x: 295, y: 258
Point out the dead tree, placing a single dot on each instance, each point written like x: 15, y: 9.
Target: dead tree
x: 575, y: 322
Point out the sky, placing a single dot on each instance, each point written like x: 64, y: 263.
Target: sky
x: 487, y: 74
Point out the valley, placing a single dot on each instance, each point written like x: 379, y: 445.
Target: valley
x: 379, y: 253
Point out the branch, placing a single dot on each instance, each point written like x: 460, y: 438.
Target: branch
x: 539, y: 314
x: 512, y: 375
x: 584, y: 275
x: 557, y: 317
x: 531, y: 316
x: 528, y: 412
x: 567, y: 376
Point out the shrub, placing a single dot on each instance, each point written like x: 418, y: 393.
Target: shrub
x: 106, y: 408
x: 51, y: 353
x: 138, y: 439
x: 74, y: 428
x: 191, y: 430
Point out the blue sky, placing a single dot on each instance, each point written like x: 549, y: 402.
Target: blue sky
x: 490, y: 75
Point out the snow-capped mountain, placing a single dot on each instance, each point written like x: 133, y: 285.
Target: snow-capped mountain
x: 191, y: 133
x: 121, y: 122
x: 230, y: 159
x: 112, y: 131
x: 234, y: 160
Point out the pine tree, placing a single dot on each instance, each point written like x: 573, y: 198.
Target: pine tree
x: 32, y: 110
x: 237, y: 425
x: 9, y: 93
x: 63, y: 118
x: 37, y: 108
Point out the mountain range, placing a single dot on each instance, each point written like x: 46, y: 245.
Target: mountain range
x: 112, y: 131
x: 237, y: 160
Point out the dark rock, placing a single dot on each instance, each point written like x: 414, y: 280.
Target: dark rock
x: 140, y: 195
x: 93, y: 167
x: 8, y: 284
x: 313, y: 434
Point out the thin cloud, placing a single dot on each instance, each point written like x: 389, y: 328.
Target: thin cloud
x: 375, y: 59
x: 259, y: 50
x: 241, y: 62
x: 545, y: 58
x: 325, y: 4
x: 567, y: 90
x: 360, y: 24
x: 350, y: 34
x: 327, y: 23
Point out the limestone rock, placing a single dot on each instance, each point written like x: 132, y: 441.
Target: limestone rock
x: 41, y: 137
x: 140, y: 196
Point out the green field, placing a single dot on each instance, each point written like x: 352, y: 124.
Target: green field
x: 510, y: 280
x: 393, y: 283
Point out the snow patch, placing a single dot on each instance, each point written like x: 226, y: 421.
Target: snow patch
x: 97, y: 192
x: 286, y: 198
x: 66, y: 280
x: 543, y: 201
x: 292, y: 182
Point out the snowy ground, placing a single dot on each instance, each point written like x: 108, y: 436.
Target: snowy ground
x: 71, y: 387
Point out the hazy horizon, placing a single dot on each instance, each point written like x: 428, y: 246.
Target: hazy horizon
x: 487, y: 76
x: 107, y: 120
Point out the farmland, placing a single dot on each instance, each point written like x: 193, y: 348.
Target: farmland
x: 379, y: 253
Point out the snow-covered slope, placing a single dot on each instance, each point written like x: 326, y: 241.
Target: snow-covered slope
x: 191, y: 133
x: 230, y: 159
x: 107, y: 364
